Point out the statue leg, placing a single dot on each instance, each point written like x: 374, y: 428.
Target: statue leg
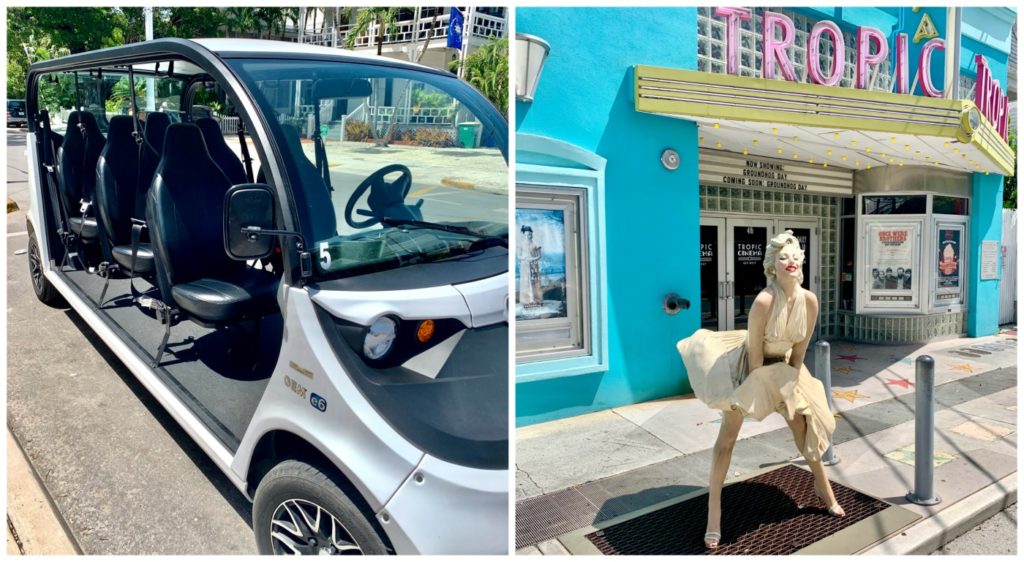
x: 721, y: 456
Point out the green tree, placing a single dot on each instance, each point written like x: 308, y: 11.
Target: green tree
x: 487, y: 70
x: 385, y: 18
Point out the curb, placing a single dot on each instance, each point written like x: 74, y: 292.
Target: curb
x: 32, y: 518
x: 933, y: 532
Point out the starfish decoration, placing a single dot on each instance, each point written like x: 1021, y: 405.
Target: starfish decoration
x: 851, y: 358
x: 845, y: 369
x: 850, y: 395
x: 900, y: 382
x: 965, y: 367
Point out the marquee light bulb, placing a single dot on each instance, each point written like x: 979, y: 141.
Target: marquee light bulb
x: 947, y: 144
x: 955, y: 150
x: 775, y: 130
x: 869, y: 166
x: 745, y: 152
x: 892, y: 139
x: 718, y: 145
x: 755, y: 142
x: 844, y: 158
x: 795, y: 155
x: 778, y: 151
x: 716, y: 124
x: 835, y: 136
x: 829, y: 152
x: 869, y: 149
x: 700, y: 139
x: 906, y: 147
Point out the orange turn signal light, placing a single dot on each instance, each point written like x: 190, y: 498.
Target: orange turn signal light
x: 425, y: 331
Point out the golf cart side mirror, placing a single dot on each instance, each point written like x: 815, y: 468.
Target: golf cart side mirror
x: 249, y: 221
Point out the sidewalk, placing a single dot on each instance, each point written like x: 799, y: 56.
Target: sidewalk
x: 33, y: 524
x: 584, y: 470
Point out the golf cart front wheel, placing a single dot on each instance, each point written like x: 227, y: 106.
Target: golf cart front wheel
x: 298, y: 509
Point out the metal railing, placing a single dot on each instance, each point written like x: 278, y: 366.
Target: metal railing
x: 483, y: 26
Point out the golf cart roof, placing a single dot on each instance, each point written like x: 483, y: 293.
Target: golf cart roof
x: 162, y: 49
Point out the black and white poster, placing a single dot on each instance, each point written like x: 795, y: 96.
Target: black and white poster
x: 891, y: 260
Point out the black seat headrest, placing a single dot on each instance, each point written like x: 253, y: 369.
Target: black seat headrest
x: 120, y: 132
x: 72, y: 136
x: 156, y: 129
x: 184, y: 143
x: 89, y: 124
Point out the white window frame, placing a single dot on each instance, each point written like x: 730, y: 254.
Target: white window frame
x: 555, y: 164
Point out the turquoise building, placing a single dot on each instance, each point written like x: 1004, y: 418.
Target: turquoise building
x: 654, y: 159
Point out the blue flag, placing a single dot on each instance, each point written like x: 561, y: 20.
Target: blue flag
x: 455, y: 29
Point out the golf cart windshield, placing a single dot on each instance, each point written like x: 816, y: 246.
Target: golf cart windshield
x: 388, y: 166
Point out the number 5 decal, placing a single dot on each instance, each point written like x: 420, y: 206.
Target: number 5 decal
x: 325, y: 256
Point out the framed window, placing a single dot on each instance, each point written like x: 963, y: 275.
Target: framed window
x: 551, y: 279
x: 558, y: 298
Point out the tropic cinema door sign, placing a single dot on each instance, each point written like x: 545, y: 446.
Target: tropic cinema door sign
x: 872, y: 49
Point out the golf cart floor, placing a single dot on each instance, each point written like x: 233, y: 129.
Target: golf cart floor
x: 196, y: 366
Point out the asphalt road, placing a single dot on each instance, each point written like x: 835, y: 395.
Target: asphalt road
x: 123, y: 474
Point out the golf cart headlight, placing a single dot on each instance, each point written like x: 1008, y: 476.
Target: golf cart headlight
x: 380, y: 337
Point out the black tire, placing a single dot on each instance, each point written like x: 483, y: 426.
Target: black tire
x: 45, y: 292
x: 293, y: 488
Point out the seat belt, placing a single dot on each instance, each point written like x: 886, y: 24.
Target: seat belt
x: 246, y: 159
x: 319, y: 149
x: 138, y: 224
x: 49, y: 162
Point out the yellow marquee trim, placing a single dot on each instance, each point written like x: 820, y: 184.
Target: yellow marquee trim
x: 721, y: 96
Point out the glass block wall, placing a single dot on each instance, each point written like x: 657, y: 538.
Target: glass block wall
x: 711, y: 48
x: 796, y: 205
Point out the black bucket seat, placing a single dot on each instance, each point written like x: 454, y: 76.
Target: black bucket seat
x: 226, y: 159
x: 312, y: 198
x: 119, y: 198
x: 77, y: 156
x: 185, y: 213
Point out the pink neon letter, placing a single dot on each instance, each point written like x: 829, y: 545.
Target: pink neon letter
x: 865, y: 36
x: 814, y: 53
x: 776, y: 51
x: 924, y: 67
x: 902, y: 65
x: 981, y: 88
x: 732, y: 16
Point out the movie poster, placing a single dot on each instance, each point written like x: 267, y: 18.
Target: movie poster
x: 947, y: 279
x: 891, y: 258
x: 540, y: 264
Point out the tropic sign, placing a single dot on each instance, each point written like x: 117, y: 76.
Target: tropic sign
x: 872, y: 49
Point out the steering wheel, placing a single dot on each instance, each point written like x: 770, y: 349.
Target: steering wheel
x: 387, y: 199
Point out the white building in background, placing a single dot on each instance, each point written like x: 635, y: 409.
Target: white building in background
x: 409, y: 33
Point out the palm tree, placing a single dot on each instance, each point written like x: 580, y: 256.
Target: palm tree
x: 385, y: 18
x: 487, y: 70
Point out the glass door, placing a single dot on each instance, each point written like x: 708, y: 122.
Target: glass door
x: 746, y: 243
x: 713, y: 284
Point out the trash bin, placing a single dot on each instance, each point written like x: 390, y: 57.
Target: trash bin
x: 467, y: 134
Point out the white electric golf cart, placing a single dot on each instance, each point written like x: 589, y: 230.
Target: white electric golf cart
x: 303, y: 254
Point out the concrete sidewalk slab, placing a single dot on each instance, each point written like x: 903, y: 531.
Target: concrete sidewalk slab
x: 33, y: 524
x: 976, y: 421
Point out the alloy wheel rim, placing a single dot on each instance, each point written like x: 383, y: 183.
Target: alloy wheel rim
x: 302, y: 527
x: 35, y: 266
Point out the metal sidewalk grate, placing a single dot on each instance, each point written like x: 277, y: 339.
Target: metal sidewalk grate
x: 773, y: 513
x: 544, y: 517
